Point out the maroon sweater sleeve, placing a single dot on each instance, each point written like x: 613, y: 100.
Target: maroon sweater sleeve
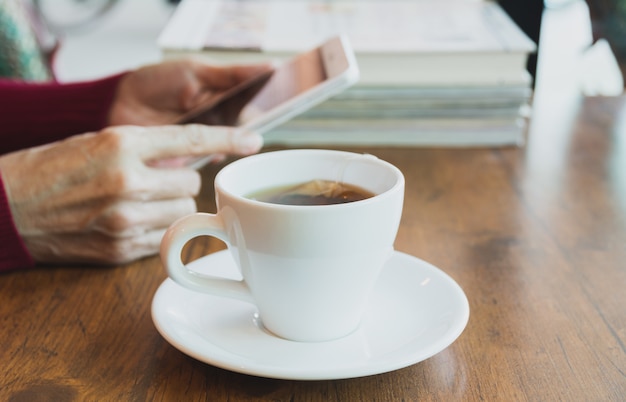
x: 13, y: 252
x: 38, y: 113
x: 34, y: 114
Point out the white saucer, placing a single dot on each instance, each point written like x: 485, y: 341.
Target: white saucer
x: 415, y: 311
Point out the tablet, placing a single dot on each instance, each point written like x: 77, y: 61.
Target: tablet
x: 271, y: 98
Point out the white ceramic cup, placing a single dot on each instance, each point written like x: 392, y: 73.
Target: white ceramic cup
x: 308, y: 269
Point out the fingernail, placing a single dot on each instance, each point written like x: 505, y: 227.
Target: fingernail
x: 247, y: 141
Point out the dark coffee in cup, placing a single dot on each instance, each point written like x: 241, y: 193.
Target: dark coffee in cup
x: 315, y: 192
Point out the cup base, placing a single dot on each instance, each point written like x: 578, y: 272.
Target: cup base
x: 258, y: 322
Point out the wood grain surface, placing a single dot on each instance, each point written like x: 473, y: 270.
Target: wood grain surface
x: 536, y: 237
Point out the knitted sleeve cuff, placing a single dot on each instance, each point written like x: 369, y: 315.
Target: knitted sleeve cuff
x: 39, y: 113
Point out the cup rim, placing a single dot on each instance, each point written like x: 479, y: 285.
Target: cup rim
x: 218, y: 183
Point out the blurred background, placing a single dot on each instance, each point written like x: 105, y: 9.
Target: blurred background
x: 126, y: 35
x: 123, y: 37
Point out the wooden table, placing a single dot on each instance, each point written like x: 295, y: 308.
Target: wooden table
x: 536, y: 237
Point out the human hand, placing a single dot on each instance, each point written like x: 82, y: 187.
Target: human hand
x: 100, y: 198
x: 162, y: 93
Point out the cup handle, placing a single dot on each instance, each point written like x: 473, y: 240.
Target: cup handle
x: 175, y: 238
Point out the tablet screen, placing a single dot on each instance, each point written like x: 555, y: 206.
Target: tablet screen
x: 309, y: 71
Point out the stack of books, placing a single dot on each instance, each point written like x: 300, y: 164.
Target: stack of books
x: 433, y: 72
